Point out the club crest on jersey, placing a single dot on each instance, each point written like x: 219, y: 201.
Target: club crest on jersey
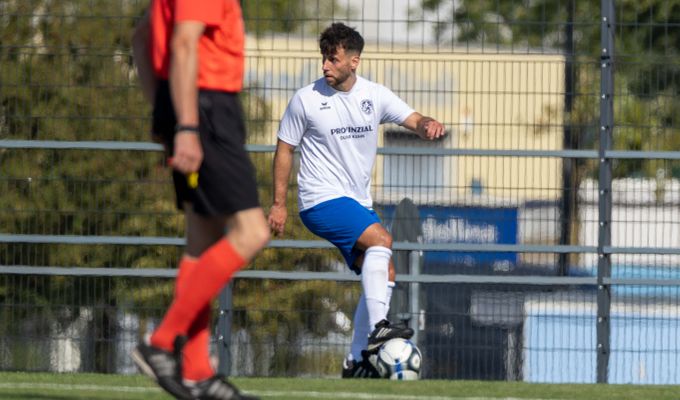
x: 367, y: 106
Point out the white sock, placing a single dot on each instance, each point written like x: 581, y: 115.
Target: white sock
x: 360, y: 321
x: 361, y: 332
x: 374, y: 278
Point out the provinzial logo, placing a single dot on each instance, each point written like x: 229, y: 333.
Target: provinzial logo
x: 351, y: 129
x: 367, y: 106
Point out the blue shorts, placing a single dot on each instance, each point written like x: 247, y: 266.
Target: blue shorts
x: 340, y: 221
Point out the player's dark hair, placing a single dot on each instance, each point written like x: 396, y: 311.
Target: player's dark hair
x: 340, y: 35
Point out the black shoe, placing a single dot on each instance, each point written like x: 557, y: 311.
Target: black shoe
x: 218, y: 388
x: 359, y: 369
x: 385, y: 331
x: 163, y: 366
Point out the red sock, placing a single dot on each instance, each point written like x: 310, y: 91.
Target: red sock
x: 186, y: 268
x: 196, y: 354
x: 215, y: 268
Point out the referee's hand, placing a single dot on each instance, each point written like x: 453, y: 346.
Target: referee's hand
x: 188, y: 153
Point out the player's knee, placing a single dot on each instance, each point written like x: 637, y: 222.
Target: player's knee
x: 386, y: 240
x: 382, y: 239
x: 375, y: 235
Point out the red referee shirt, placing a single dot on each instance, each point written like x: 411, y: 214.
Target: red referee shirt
x: 220, y: 49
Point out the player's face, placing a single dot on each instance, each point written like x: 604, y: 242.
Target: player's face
x: 339, y: 67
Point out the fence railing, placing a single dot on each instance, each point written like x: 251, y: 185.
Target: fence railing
x: 538, y: 241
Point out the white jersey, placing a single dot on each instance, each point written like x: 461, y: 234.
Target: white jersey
x: 338, y: 137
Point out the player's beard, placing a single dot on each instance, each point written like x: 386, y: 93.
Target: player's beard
x: 335, y: 81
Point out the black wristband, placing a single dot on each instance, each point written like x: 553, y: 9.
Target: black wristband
x: 186, y: 128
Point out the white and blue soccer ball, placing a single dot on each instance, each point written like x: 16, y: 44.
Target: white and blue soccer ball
x: 399, y: 359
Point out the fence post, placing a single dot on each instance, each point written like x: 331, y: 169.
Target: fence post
x: 224, y: 329
x: 605, y: 186
x: 414, y: 298
x: 568, y: 182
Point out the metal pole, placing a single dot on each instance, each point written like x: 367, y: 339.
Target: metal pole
x: 568, y: 183
x: 224, y: 330
x: 605, y: 186
x: 414, y: 298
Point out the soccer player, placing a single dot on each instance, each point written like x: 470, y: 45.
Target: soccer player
x: 335, y: 122
x: 190, y: 59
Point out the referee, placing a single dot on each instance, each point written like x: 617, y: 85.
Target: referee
x: 190, y: 60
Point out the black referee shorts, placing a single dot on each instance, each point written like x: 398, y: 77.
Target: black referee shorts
x: 226, y: 178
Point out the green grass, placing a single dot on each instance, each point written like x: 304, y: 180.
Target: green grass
x: 42, y: 386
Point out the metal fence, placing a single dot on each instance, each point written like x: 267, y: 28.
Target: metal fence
x: 537, y: 241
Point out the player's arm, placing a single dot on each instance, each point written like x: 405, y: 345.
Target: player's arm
x: 184, y: 91
x: 283, y: 164
x: 142, y: 57
x: 426, y: 127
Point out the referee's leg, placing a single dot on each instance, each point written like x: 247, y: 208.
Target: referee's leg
x: 248, y: 232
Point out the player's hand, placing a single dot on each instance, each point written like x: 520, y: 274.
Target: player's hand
x: 431, y: 129
x: 277, y: 219
x: 188, y: 152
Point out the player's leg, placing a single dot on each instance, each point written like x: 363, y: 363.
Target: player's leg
x: 391, y: 276
x: 357, y: 363
x: 376, y: 243
x: 329, y: 220
x: 362, y: 325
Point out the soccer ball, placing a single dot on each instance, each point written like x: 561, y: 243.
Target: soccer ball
x: 399, y: 359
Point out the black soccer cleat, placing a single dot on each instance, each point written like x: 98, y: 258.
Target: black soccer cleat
x: 218, y: 388
x: 385, y: 331
x: 359, y: 369
x: 163, y: 366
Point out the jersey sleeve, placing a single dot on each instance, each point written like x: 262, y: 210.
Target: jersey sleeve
x: 209, y: 12
x: 294, y: 122
x: 392, y: 108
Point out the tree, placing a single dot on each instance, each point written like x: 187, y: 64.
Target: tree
x: 284, y: 16
x: 647, y: 84
x: 69, y: 78
x: 66, y: 74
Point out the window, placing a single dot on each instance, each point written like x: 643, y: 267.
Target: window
x: 406, y: 172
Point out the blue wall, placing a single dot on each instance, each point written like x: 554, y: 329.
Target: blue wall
x: 560, y: 347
